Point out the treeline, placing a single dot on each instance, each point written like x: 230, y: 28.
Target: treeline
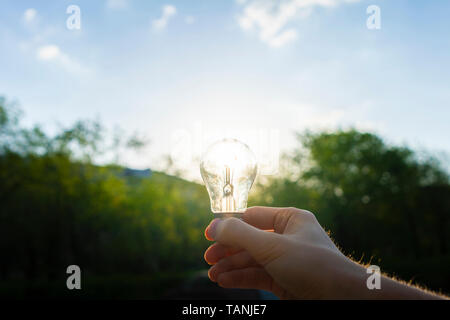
x: 381, y: 203
x: 57, y: 208
x: 137, y: 237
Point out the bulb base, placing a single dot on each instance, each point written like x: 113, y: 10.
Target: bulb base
x: 223, y: 215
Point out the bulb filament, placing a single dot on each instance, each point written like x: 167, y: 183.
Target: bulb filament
x: 228, y: 191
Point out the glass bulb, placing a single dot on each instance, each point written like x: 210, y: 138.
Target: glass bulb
x: 228, y: 169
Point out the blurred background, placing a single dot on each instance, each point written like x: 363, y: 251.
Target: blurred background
x: 107, y: 106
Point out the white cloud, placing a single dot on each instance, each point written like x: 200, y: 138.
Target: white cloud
x: 30, y: 16
x: 49, y: 52
x: 282, y: 38
x: 168, y: 12
x: 52, y: 53
x: 116, y: 4
x: 269, y: 18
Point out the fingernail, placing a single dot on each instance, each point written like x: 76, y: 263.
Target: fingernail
x: 213, y: 228
x: 211, y: 274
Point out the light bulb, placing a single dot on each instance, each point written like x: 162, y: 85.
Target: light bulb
x: 228, y: 169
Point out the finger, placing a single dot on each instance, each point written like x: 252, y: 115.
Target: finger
x: 249, y: 278
x: 263, y: 246
x: 208, y: 234
x: 218, y: 251
x: 207, y: 231
x: 267, y: 218
x: 239, y: 260
x: 252, y: 278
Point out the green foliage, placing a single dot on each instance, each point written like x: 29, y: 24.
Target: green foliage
x: 379, y: 201
x: 57, y: 209
x: 136, y: 237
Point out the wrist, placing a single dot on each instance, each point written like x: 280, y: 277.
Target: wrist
x: 347, y: 281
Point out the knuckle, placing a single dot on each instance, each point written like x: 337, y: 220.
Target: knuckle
x: 292, y: 210
x: 293, y: 216
x: 302, y: 214
x: 283, y: 217
x: 309, y: 215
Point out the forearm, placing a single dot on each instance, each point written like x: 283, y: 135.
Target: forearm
x: 392, y: 289
x: 351, y: 283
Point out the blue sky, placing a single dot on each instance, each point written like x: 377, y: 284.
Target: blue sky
x: 187, y: 73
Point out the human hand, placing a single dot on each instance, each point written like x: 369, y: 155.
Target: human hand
x: 286, y: 251
x: 297, y: 260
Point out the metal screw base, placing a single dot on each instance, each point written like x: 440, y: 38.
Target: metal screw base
x: 223, y: 215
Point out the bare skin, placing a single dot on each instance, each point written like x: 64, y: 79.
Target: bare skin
x: 287, y: 252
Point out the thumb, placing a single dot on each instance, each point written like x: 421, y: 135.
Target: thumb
x: 263, y: 246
